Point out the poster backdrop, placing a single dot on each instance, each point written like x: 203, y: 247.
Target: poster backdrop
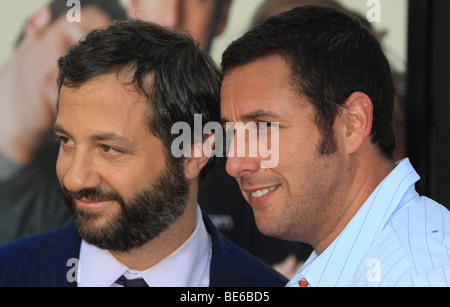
x: 27, y: 82
x: 13, y: 14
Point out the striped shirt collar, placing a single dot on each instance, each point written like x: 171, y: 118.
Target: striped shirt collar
x: 338, y: 263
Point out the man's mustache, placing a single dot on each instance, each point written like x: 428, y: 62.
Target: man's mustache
x: 92, y: 194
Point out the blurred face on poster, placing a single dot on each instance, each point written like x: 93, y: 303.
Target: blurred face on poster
x: 204, y: 19
x: 28, y: 79
x: 45, y: 42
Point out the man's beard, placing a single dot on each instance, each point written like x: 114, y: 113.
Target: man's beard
x: 150, y: 212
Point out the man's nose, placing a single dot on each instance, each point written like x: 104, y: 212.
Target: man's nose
x: 239, y: 164
x: 82, y: 173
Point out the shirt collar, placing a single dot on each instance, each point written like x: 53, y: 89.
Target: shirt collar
x: 189, y: 265
x: 337, y: 264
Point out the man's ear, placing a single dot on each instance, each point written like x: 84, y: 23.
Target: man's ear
x: 358, y: 119
x: 200, y: 155
x: 38, y: 22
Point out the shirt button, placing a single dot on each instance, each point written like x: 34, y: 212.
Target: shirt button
x: 303, y: 283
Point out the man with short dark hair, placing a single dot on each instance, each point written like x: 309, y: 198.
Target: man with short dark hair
x: 323, y: 78
x: 135, y: 205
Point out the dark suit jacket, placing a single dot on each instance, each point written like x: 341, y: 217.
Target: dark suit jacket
x: 42, y: 261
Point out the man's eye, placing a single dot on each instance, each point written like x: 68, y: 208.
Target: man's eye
x: 108, y: 149
x: 65, y: 140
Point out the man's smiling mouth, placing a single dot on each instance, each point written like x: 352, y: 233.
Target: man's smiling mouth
x: 262, y: 192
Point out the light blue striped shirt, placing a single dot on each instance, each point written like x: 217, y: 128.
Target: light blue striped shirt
x: 397, y: 238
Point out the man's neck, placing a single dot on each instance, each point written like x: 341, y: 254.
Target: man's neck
x: 365, y: 180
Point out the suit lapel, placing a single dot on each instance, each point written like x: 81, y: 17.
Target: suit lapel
x: 55, y: 259
x: 229, y: 264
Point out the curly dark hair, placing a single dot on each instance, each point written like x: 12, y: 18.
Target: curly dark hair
x: 184, y: 79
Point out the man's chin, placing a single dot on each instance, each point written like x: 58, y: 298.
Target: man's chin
x: 94, y: 227
x: 98, y: 232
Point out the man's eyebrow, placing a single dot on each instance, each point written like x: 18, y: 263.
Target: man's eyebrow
x: 260, y: 115
x: 59, y: 129
x: 112, y: 137
x: 254, y: 116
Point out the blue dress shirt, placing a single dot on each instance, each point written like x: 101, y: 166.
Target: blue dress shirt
x: 397, y: 238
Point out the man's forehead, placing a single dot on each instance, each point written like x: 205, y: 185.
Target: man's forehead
x: 103, y: 107
x: 108, y: 90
